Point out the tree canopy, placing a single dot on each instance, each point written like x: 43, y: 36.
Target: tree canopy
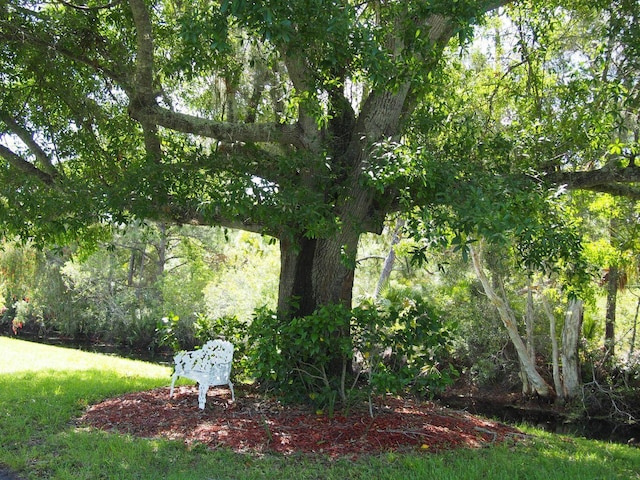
x: 311, y: 121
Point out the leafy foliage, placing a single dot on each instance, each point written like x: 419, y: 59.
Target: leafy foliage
x: 394, y: 347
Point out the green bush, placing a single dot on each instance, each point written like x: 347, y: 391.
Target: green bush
x: 297, y: 357
x: 405, y: 345
x: 341, y: 354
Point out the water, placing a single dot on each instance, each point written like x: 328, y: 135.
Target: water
x: 552, y: 420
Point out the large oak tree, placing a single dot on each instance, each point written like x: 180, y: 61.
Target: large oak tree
x: 110, y: 110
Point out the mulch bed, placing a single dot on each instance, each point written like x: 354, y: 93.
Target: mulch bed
x: 255, y: 424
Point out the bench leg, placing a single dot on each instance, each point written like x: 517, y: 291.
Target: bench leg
x: 173, y: 382
x: 203, y: 388
x: 233, y: 397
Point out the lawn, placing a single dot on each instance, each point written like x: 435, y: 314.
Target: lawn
x: 44, y: 389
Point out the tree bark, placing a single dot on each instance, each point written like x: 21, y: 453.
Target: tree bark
x: 570, y: 341
x: 132, y: 267
x: 634, y: 329
x: 527, y: 388
x: 540, y: 386
x: 614, y: 181
x: 610, y: 315
x: 555, y: 351
x: 529, y: 322
x: 314, y: 272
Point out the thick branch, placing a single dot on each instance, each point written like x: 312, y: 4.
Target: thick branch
x: 21, y: 164
x: 144, y: 108
x: 144, y: 94
x: 27, y: 138
x: 223, y: 131
x: 615, y: 181
x: 302, y: 78
x: 172, y: 213
x: 144, y: 54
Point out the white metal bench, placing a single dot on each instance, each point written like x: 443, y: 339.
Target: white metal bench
x: 209, y: 366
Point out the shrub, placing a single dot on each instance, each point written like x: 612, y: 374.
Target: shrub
x: 341, y: 354
x: 404, y: 345
x: 298, y: 357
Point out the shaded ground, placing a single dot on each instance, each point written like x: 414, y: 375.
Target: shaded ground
x: 8, y: 475
x: 254, y: 425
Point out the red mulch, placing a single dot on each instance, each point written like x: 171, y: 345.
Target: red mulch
x: 254, y: 424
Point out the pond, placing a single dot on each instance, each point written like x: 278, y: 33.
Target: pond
x: 549, y: 418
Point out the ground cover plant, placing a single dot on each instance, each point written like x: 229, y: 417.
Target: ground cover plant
x: 44, y: 390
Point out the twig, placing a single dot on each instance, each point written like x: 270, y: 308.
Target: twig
x: 488, y: 432
x: 408, y: 433
x: 265, y: 425
x: 86, y: 8
x: 613, y: 397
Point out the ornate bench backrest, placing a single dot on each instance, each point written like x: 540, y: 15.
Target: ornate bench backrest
x: 214, y: 353
x: 217, y: 357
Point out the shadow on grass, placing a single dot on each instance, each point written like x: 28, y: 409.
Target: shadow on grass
x: 37, y: 404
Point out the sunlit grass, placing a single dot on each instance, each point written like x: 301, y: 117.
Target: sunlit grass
x: 43, y: 389
x: 19, y: 356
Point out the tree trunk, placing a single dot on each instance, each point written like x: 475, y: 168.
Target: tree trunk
x: 538, y: 383
x: 634, y: 329
x: 529, y: 323
x: 555, y: 351
x: 315, y: 272
x: 162, y: 250
x: 132, y: 268
x: 570, y: 342
x: 610, y: 316
x: 390, y: 260
x: 527, y: 388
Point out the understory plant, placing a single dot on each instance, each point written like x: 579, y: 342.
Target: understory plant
x: 388, y: 347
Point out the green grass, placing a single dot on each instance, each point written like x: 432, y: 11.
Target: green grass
x: 43, y: 389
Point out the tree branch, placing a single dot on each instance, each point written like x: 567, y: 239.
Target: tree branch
x: 615, y: 181
x: 27, y: 138
x: 21, y: 164
x: 302, y: 78
x: 85, y: 8
x: 172, y: 213
x: 144, y: 93
x: 14, y: 33
x: 144, y: 108
x: 223, y: 131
